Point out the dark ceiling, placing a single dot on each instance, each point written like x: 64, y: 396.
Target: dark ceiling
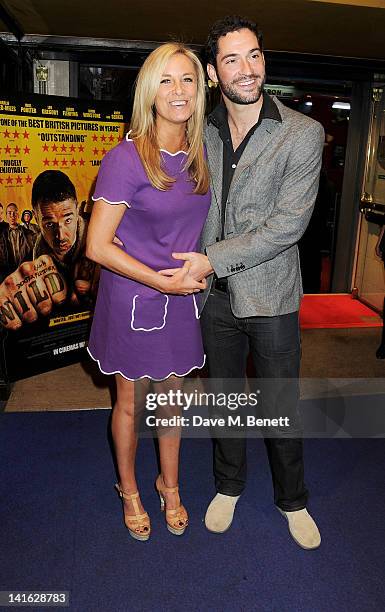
x: 304, y: 26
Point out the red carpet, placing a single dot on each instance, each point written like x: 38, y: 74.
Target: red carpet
x: 338, y: 310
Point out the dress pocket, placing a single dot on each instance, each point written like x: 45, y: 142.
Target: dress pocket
x: 149, y: 312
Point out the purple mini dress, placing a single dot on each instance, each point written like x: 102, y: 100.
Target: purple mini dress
x: 137, y: 331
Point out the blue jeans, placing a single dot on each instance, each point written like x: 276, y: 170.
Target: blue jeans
x: 274, y: 343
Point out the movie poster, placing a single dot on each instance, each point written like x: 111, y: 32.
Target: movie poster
x: 51, y: 149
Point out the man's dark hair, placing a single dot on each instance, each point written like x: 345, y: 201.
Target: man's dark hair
x: 231, y: 23
x: 52, y: 186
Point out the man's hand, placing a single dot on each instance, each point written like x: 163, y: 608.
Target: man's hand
x: 30, y: 291
x: 181, y: 282
x: 200, y: 266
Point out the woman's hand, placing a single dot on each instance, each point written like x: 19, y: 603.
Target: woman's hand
x: 180, y: 282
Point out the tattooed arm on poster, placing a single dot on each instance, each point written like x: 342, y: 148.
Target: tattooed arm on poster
x: 31, y: 290
x: 37, y: 286
x: 85, y: 279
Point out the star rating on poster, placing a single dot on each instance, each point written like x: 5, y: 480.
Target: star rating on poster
x: 15, y: 135
x: 63, y: 162
x: 15, y: 150
x: 61, y: 150
x: 50, y: 152
x: 16, y: 180
x: 104, y: 138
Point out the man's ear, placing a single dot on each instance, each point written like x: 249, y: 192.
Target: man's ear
x: 212, y: 73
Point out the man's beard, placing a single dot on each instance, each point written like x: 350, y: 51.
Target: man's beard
x: 228, y: 90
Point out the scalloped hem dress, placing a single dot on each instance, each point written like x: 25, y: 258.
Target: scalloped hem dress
x: 137, y: 331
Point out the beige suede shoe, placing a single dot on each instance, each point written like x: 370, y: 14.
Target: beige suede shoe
x: 302, y: 528
x: 220, y: 512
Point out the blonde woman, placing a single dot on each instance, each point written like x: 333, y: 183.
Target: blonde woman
x: 152, y: 192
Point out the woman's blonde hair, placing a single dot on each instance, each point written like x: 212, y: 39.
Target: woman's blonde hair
x: 143, y: 121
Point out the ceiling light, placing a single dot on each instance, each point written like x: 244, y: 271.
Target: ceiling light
x: 341, y: 105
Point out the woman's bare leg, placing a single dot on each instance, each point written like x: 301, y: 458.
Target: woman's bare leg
x: 124, y: 415
x: 169, y: 441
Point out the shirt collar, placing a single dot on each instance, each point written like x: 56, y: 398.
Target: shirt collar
x: 269, y: 110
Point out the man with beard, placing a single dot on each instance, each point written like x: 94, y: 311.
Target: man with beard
x: 62, y: 273
x: 264, y: 161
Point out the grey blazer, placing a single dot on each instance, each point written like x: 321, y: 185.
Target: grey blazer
x: 270, y: 202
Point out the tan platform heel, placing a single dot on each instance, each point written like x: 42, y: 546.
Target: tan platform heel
x: 138, y: 524
x: 177, y: 519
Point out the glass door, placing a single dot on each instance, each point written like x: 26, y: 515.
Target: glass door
x: 369, y: 278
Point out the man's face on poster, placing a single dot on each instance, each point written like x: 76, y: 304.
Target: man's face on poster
x: 12, y: 216
x: 58, y: 222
